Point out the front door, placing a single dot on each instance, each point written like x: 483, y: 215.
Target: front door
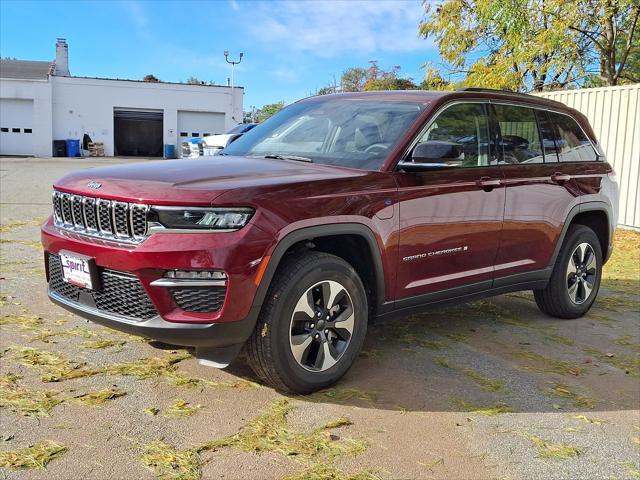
x: 451, y: 218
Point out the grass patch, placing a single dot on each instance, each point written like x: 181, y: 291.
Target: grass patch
x: 621, y: 271
x: 28, y: 243
x: 457, y: 336
x: 552, y: 337
x: 411, y: 339
x: 486, y: 410
x: 35, y: 456
x: 342, y: 395
x: 632, y: 471
x: 8, y: 227
x: 269, y: 433
x: 96, y: 399
x: 442, y: 361
x: 486, y: 383
x: 562, y: 390
x: 23, y: 322
x: 181, y: 408
x: 170, y: 464
x: 594, y: 421
x: 266, y: 433
x: 372, y: 354
x: 630, y: 365
x: 100, y: 344
x: 151, y: 411
x: 556, y: 451
x: 548, y: 364
x: 337, y: 423
x: 26, y: 402
x: 321, y: 471
x: 628, y: 341
x: 182, y: 380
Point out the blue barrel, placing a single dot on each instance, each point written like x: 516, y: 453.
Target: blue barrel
x: 73, y: 147
x: 169, y: 150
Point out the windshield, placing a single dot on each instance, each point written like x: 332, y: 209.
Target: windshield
x: 345, y: 132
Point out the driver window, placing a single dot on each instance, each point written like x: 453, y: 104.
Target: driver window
x: 466, y: 127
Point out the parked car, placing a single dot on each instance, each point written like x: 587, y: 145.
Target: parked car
x: 214, y: 144
x: 335, y: 211
x: 191, y: 148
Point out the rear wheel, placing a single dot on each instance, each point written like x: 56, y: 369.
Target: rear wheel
x: 312, y: 325
x: 575, y: 279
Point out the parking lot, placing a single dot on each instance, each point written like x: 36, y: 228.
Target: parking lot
x: 491, y: 389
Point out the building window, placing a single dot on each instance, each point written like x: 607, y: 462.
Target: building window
x: 206, y: 134
x: 4, y: 129
x: 28, y: 130
x: 195, y: 134
x: 15, y: 130
x: 184, y: 134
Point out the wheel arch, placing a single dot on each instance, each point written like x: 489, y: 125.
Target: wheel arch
x: 595, y: 215
x: 358, y: 246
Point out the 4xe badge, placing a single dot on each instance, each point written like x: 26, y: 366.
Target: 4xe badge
x: 94, y: 185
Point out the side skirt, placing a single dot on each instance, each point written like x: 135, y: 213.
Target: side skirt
x: 467, y: 293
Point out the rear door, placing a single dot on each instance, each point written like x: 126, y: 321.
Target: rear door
x: 539, y: 192
x: 451, y: 218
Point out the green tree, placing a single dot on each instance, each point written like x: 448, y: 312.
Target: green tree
x: 353, y: 79
x: 197, y: 81
x: 532, y: 44
x: 269, y: 110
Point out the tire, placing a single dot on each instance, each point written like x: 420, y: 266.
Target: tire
x: 299, y: 289
x: 567, y: 294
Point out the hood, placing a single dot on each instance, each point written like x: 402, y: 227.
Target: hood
x: 193, y: 182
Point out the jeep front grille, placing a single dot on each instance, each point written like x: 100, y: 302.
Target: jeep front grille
x: 120, y: 293
x: 98, y: 217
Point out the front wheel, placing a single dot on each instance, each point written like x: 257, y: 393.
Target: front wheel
x: 575, y: 279
x: 312, y: 325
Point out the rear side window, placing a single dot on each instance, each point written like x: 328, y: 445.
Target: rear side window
x: 573, y: 144
x: 520, y: 137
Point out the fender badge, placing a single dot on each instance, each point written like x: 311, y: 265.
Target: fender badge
x: 94, y: 185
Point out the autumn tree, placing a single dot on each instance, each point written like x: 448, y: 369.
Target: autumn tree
x: 353, y: 79
x: 533, y: 44
x: 150, y: 78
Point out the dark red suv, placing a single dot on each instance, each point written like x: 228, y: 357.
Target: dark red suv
x: 339, y: 209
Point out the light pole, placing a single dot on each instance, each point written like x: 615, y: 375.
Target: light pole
x: 233, y: 97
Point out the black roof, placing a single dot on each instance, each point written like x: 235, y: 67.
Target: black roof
x: 25, y: 69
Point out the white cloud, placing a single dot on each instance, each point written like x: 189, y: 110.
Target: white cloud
x: 332, y: 28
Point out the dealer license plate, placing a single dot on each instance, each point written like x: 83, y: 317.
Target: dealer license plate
x: 76, y: 270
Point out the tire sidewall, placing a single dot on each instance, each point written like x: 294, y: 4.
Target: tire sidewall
x: 299, y: 378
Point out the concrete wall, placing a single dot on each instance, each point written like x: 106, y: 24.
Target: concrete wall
x: 614, y: 114
x: 40, y: 92
x: 85, y: 105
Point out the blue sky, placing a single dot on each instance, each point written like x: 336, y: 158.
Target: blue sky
x: 291, y: 48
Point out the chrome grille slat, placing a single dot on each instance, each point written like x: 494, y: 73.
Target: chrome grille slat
x: 98, y: 217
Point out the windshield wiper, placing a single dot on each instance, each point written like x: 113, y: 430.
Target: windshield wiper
x: 289, y: 157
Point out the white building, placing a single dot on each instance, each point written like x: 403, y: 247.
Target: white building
x: 41, y: 102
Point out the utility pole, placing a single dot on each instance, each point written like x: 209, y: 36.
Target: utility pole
x: 233, y: 96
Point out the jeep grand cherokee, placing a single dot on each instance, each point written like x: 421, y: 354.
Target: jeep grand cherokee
x: 337, y: 210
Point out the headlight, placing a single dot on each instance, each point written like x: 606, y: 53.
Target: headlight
x: 197, y: 218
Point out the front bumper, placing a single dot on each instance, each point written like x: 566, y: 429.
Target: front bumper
x: 189, y: 335
x: 238, y: 254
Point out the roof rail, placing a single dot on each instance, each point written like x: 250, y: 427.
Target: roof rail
x: 488, y: 90
x: 504, y: 92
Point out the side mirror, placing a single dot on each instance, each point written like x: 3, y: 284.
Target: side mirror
x: 434, y: 154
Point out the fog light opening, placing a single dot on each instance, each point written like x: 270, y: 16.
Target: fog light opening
x: 196, y: 275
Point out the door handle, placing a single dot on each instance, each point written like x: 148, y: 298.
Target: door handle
x: 488, y: 183
x: 560, y: 177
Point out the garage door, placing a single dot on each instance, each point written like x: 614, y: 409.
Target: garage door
x: 16, y: 126
x: 199, y: 124
x: 137, y: 132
